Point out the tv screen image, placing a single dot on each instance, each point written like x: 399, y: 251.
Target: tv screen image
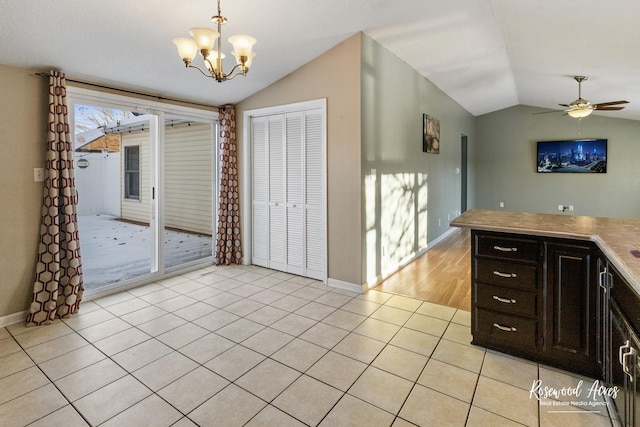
x: 577, y: 155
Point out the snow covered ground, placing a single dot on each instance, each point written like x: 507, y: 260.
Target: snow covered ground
x: 113, y: 250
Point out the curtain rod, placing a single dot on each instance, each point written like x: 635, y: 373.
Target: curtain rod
x: 132, y: 92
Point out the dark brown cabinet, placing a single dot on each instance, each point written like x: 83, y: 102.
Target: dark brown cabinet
x: 536, y: 298
x: 506, y: 292
x: 603, y: 339
x: 570, y: 306
x: 623, y: 367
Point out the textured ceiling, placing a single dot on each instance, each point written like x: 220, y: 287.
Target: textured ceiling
x: 485, y: 54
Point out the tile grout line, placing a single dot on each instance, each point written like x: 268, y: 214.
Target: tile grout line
x: 51, y: 382
x: 387, y: 343
x: 152, y: 337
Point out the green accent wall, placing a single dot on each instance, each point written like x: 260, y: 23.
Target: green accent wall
x: 505, y: 163
x: 408, y: 196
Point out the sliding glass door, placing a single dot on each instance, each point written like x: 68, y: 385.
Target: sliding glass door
x: 115, y: 176
x: 145, y: 182
x: 188, y: 191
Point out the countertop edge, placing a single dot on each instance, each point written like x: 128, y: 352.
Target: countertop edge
x: 628, y: 272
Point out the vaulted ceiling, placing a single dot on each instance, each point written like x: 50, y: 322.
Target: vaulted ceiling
x: 485, y: 54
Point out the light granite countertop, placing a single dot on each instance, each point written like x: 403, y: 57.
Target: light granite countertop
x: 617, y: 238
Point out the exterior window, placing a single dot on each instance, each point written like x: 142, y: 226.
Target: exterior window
x: 132, y: 172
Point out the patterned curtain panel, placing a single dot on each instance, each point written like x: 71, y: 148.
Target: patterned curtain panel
x: 228, y: 246
x: 58, y: 288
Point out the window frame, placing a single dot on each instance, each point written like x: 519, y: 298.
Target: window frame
x: 128, y: 173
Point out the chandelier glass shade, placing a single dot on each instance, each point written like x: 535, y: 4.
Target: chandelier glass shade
x: 207, y: 41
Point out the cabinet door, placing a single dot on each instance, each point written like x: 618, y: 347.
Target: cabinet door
x: 624, y: 368
x: 569, y: 336
x: 602, y: 318
x: 624, y: 303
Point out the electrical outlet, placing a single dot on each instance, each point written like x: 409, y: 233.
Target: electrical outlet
x: 570, y: 207
x: 502, y: 204
x: 38, y: 174
x: 561, y: 208
x: 439, y: 223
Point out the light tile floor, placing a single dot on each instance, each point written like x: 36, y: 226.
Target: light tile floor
x: 235, y: 346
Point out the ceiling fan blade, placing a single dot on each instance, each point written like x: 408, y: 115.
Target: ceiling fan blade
x: 547, y: 112
x: 564, y: 105
x: 604, y: 104
x: 599, y: 108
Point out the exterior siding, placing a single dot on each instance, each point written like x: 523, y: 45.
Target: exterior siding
x: 188, y: 177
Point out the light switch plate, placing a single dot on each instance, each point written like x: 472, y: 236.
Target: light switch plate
x: 38, y: 174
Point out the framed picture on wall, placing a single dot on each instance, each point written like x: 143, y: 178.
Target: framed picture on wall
x: 430, y: 134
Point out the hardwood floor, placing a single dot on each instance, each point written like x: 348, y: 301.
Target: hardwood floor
x: 442, y: 275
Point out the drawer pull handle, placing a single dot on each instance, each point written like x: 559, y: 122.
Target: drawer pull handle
x: 507, y: 275
x: 503, y: 249
x: 504, y: 300
x: 505, y: 328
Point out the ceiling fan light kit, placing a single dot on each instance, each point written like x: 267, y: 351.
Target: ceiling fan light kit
x: 205, y: 40
x: 580, y: 112
x: 581, y: 108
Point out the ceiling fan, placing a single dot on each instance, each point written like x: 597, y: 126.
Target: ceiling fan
x: 582, y: 108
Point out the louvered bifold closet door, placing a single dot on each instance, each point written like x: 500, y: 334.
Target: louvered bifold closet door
x: 314, y: 178
x: 277, y: 200
x: 289, y: 190
x: 260, y: 193
x: 295, y: 196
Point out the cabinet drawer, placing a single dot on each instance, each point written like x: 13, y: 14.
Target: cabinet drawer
x: 507, y: 247
x: 505, y: 329
x: 506, y: 273
x: 507, y: 300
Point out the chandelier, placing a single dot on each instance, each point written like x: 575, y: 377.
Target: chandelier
x: 204, y: 40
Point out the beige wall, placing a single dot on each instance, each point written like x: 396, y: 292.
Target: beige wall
x: 335, y: 75
x: 23, y: 123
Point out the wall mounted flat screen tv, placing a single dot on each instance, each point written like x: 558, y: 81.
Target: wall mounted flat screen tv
x: 577, y: 156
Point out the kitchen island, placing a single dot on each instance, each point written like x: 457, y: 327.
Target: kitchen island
x: 561, y: 290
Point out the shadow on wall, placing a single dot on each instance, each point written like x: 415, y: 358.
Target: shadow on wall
x: 396, y: 221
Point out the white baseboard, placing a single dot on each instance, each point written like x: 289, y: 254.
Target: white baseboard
x: 348, y: 286
x: 340, y: 284
x: 441, y: 237
x: 11, y: 319
x: 381, y: 277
